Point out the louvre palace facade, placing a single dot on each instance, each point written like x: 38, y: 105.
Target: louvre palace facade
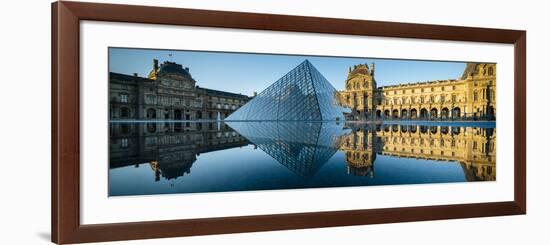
x: 471, y: 97
x: 168, y: 93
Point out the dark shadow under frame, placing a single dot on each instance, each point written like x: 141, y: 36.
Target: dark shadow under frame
x: 65, y: 155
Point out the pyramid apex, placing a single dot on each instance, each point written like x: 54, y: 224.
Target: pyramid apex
x: 290, y: 98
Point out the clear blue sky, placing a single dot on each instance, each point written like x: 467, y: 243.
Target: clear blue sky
x: 245, y: 73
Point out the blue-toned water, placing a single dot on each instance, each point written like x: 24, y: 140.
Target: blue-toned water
x: 187, y: 157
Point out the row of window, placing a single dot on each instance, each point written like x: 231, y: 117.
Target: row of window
x: 178, y: 83
x: 173, y: 139
x: 222, y: 99
x: 431, y: 152
x: 124, y: 112
x: 421, y: 90
x: 223, y: 106
x: 357, y: 85
x: 418, y: 100
x: 422, y: 141
x: 408, y: 100
x: 442, y: 153
x: 152, y: 99
x: 442, y: 143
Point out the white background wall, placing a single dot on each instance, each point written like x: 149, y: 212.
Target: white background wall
x: 25, y: 121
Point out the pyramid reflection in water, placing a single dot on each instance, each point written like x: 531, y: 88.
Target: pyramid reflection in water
x: 302, y: 94
x: 302, y: 147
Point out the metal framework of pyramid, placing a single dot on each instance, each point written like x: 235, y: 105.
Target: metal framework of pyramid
x: 302, y: 147
x: 303, y: 94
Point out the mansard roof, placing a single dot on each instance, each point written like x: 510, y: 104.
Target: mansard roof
x: 471, y: 68
x: 359, y: 69
x: 223, y: 93
x: 173, y: 68
x: 475, y: 69
x: 129, y: 78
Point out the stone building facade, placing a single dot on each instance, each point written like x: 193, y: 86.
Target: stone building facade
x: 473, y: 148
x: 471, y: 97
x: 168, y: 93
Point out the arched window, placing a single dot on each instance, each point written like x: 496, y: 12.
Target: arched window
x: 490, y: 71
x: 151, y: 113
x: 151, y: 127
x: 475, y: 95
x: 444, y: 113
x: 433, y: 113
x: 413, y: 114
x: 456, y: 112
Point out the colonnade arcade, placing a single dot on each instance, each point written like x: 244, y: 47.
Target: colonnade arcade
x: 425, y: 113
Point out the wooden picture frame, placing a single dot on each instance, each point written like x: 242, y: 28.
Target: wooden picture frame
x: 65, y: 175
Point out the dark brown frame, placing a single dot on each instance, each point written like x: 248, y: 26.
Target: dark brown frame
x: 65, y: 181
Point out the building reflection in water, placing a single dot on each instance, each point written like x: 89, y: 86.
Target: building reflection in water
x: 472, y: 147
x: 171, y: 149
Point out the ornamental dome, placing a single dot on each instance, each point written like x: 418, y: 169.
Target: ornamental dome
x: 168, y: 68
x: 173, y: 68
x: 362, y: 69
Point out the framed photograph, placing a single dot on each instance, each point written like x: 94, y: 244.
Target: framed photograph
x: 178, y: 122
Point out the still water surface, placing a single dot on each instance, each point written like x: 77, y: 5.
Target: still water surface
x: 193, y: 157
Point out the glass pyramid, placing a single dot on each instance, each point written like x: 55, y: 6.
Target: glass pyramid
x: 302, y: 147
x: 303, y: 94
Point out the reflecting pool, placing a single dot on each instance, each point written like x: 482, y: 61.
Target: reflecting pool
x: 193, y: 157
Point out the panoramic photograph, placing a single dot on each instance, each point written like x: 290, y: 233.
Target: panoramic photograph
x: 204, y: 121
